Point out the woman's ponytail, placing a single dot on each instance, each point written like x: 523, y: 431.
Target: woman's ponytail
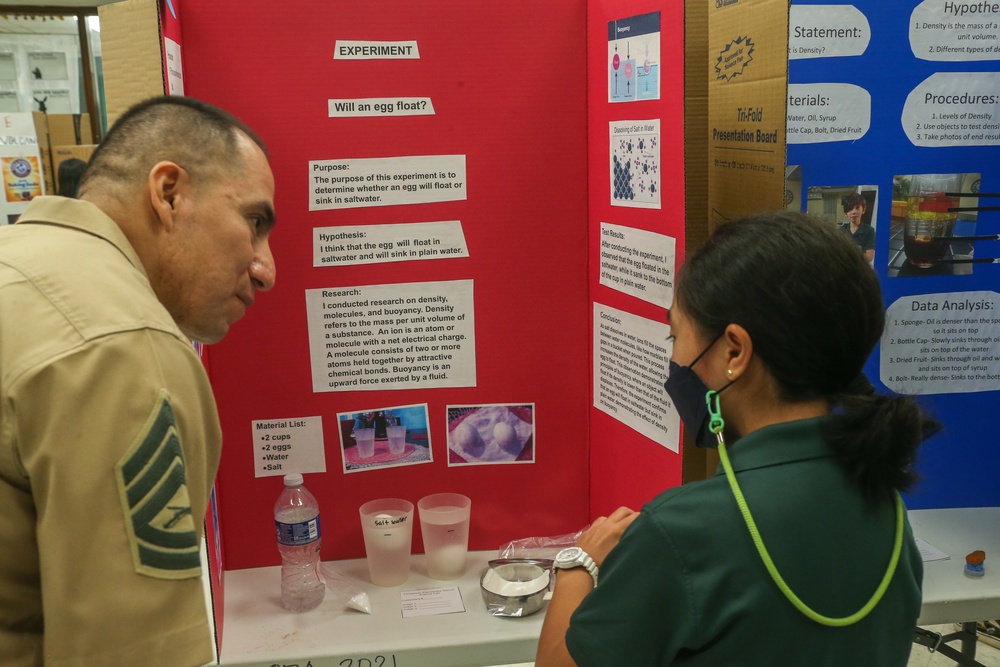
x: 875, y: 438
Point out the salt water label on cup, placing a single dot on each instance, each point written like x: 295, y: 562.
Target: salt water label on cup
x: 297, y: 534
x: 388, y: 521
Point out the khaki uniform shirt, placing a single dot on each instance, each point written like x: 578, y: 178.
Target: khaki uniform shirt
x: 109, y: 444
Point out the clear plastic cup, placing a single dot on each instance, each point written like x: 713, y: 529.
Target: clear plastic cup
x: 365, y: 437
x: 387, y: 524
x: 397, y: 439
x: 444, y: 525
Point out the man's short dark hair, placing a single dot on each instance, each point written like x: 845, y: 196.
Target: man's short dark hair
x: 852, y: 200
x: 196, y: 135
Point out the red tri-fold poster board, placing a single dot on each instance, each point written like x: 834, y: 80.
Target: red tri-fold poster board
x: 501, y: 125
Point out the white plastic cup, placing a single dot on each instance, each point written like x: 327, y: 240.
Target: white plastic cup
x: 444, y: 524
x: 365, y: 437
x: 387, y: 524
x: 397, y: 439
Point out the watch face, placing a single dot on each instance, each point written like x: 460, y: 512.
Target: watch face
x: 569, y: 555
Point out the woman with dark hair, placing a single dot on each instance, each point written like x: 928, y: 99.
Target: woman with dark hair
x: 798, y: 552
x: 70, y: 172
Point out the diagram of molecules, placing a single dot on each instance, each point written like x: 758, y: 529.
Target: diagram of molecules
x: 635, y: 170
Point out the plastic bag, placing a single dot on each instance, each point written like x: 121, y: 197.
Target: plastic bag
x: 345, y: 590
x: 539, y: 547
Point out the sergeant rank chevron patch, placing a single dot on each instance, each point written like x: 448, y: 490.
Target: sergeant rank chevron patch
x: 154, y: 495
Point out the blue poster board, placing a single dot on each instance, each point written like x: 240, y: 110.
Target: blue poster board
x: 893, y: 127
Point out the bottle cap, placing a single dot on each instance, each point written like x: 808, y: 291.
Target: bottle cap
x: 974, y: 564
x: 293, y: 479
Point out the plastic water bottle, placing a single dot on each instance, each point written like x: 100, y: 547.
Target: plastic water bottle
x: 296, y: 519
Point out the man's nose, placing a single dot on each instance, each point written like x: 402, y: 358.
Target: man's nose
x: 262, y: 269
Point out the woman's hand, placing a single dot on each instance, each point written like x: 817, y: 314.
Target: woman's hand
x: 574, y: 585
x: 604, y: 534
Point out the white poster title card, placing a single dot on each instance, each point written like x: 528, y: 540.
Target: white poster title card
x: 368, y: 107
x: 283, y: 446
x: 363, y: 182
x: 942, y: 343
x: 639, y: 263
x: 397, y: 336
x: 375, y: 244
x: 357, y: 49
x: 827, y: 31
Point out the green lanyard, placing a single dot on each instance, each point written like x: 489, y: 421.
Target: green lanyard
x: 716, y: 424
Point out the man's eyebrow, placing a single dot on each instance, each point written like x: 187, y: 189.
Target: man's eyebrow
x: 265, y: 208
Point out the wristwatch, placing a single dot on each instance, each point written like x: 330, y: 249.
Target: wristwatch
x: 571, y: 557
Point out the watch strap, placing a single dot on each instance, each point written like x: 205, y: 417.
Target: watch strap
x: 590, y: 566
x: 583, y: 560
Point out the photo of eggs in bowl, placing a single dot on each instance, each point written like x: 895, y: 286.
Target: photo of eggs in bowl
x: 490, y: 434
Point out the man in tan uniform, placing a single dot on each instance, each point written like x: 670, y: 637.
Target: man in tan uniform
x: 109, y: 435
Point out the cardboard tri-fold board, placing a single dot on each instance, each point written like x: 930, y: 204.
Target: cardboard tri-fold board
x: 879, y: 93
x: 747, y: 74
x: 810, y: 101
x: 534, y: 247
x: 527, y: 232
x: 132, y: 54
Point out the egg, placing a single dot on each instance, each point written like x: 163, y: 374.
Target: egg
x: 466, y: 439
x: 506, y: 437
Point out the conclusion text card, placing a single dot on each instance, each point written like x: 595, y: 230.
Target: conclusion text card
x: 630, y: 367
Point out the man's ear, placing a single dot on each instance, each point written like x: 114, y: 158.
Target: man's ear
x: 168, y: 184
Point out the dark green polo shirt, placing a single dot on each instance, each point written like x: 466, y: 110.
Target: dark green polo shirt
x: 685, y: 586
x: 864, y: 237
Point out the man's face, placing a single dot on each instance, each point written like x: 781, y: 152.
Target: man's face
x: 221, y: 256
x: 854, y: 215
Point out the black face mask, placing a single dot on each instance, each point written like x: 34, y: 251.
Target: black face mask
x: 687, y: 392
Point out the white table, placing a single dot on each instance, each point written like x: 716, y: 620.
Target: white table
x: 257, y: 632
x: 949, y: 595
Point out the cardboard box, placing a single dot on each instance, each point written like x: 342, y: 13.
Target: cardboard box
x: 748, y: 76
x: 132, y: 56
x: 62, y: 153
x: 697, y: 463
x: 69, y: 129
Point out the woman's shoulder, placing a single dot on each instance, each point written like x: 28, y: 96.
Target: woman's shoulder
x: 686, y: 507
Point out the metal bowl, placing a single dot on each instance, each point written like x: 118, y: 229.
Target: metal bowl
x: 514, y: 587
